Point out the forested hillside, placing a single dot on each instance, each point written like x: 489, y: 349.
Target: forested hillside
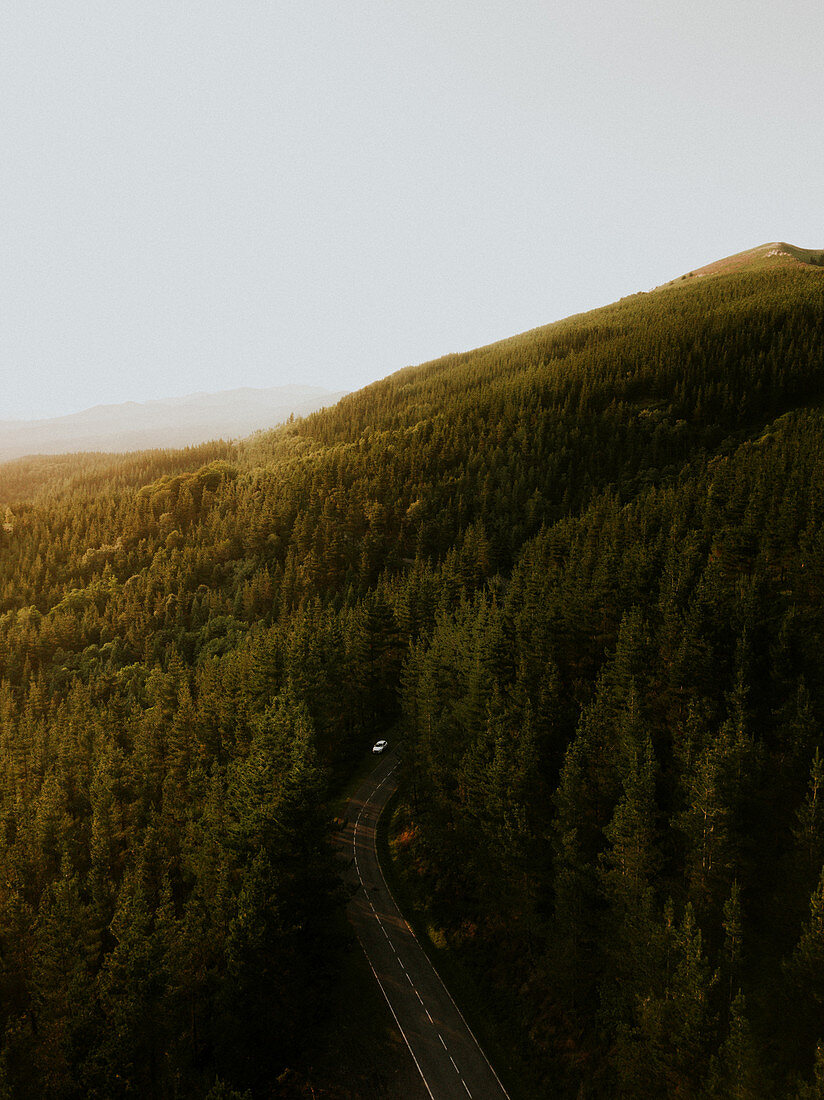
x: 592, y: 557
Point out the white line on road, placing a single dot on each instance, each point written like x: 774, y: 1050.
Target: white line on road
x: 371, y: 967
x: 426, y: 957
x: 366, y: 804
x: 397, y: 1021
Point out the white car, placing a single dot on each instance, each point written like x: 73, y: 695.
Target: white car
x: 379, y: 746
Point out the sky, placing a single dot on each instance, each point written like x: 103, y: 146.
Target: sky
x: 205, y: 195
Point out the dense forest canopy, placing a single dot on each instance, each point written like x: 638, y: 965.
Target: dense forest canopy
x: 592, y: 557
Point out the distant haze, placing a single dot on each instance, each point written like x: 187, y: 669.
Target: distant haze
x: 176, y: 422
x: 198, y: 196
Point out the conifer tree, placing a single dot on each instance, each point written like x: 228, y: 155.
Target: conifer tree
x: 732, y: 950
x: 806, y: 964
x: 809, y: 827
x: 736, y: 1073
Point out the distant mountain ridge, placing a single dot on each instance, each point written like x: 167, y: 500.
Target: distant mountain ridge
x: 169, y: 422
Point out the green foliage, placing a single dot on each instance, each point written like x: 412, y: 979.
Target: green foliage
x: 584, y: 565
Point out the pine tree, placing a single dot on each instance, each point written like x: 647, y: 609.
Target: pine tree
x: 732, y: 950
x: 736, y: 1073
x: 62, y: 983
x: 806, y: 964
x: 668, y: 1049
x: 814, y: 1090
x: 809, y: 828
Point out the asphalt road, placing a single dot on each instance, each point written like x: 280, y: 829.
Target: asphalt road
x: 446, y: 1053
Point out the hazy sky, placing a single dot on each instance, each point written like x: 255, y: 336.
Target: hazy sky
x: 208, y: 194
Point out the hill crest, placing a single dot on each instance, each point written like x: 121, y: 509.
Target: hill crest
x: 776, y: 254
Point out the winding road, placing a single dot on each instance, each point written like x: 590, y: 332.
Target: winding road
x: 446, y: 1053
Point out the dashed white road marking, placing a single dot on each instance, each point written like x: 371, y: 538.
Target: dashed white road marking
x: 403, y: 967
x: 372, y: 907
x: 400, y: 1029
